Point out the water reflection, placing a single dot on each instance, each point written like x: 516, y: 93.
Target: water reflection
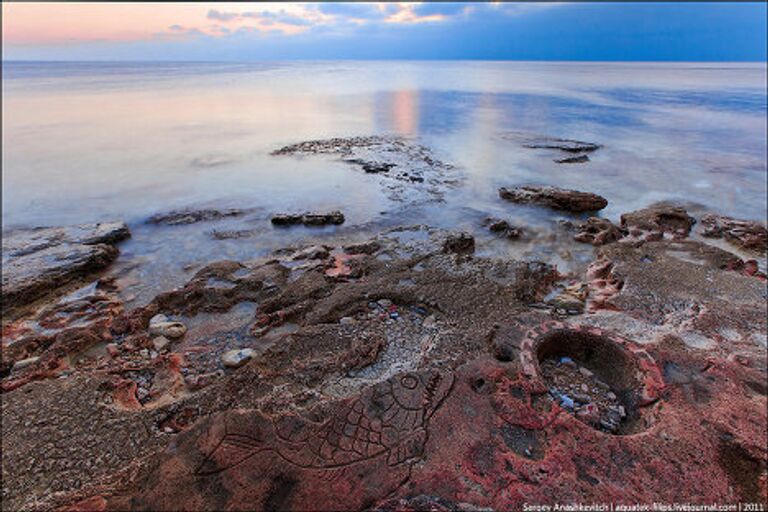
x: 84, y: 142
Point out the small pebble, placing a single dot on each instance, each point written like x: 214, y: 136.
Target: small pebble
x: 160, y: 343
x: 158, y: 319
x: 385, y: 303
x: 168, y: 329
x: 25, y: 362
x: 347, y: 320
x: 237, y: 358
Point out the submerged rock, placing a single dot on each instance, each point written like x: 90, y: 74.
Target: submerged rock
x: 553, y: 197
x: 544, y: 142
x: 37, y: 262
x: 747, y: 234
x: 580, y: 159
x: 567, y: 145
x: 308, y: 219
x: 192, y: 216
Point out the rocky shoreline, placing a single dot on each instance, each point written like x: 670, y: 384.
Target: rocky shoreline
x: 402, y: 372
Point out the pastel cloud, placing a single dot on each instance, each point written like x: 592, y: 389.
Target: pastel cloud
x: 55, y: 23
x: 376, y: 30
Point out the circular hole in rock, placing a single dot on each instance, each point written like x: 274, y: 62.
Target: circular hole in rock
x: 593, y: 378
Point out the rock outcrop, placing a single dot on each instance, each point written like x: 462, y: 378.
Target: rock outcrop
x: 553, y: 197
x: 658, y: 219
x: 308, y: 219
x: 746, y: 234
x: 37, y: 262
x: 193, y: 216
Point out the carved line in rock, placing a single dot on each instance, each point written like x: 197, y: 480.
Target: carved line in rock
x: 390, y: 418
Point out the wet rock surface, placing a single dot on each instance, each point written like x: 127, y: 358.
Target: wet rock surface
x: 597, y: 231
x: 503, y: 228
x: 750, y: 235
x: 553, y: 197
x: 654, y: 222
x: 308, y: 219
x: 580, y: 159
x: 395, y: 372
x: 37, y: 262
x: 408, y: 171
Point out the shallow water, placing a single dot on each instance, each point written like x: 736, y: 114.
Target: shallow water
x: 86, y: 142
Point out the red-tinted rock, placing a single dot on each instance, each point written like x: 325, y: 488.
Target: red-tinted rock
x: 597, y: 231
x: 359, y: 450
x: 750, y: 235
x: 553, y: 197
x: 652, y: 222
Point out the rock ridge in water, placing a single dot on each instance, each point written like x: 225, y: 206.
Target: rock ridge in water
x: 39, y: 261
x: 408, y: 171
x: 554, y: 197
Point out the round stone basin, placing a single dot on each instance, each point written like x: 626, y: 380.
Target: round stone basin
x: 602, y: 380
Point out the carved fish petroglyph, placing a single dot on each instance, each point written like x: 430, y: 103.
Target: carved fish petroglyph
x: 389, y: 418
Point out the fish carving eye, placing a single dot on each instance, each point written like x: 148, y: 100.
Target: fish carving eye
x: 409, y: 382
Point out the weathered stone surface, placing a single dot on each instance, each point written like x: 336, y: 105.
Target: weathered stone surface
x: 747, y: 234
x: 36, y: 262
x: 682, y: 285
x: 597, y: 231
x: 653, y: 222
x: 442, y: 356
x: 459, y: 243
x: 263, y: 463
x: 553, y: 197
x: 363, y: 248
x: 193, y: 216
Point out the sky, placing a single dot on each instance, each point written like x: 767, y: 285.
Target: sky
x: 221, y: 31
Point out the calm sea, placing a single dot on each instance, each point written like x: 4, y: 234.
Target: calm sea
x: 87, y: 142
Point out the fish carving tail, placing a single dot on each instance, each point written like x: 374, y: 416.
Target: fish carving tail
x: 232, y: 450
